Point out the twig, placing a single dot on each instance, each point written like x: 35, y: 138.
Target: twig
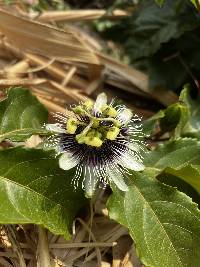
x: 189, y: 71
x: 83, y: 245
x: 91, y: 235
x: 15, y: 244
x: 52, y: 106
x: 13, y: 255
x: 5, y: 263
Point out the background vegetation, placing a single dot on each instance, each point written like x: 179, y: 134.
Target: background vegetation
x: 53, y: 54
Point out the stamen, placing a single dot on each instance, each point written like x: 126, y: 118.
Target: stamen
x: 99, y: 136
x: 71, y: 126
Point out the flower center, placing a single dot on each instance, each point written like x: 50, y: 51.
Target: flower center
x: 93, y: 129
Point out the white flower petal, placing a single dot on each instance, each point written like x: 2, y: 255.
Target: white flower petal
x: 125, y: 115
x: 67, y: 161
x: 130, y: 162
x: 100, y: 102
x: 55, y: 127
x: 134, y: 147
x: 116, y: 177
x: 90, y: 181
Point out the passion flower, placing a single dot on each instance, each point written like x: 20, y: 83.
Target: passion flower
x: 100, y: 141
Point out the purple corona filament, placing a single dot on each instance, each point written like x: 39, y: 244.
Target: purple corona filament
x: 100, y: 140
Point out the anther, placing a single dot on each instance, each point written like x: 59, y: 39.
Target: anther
x: 71, y: 126
x: 112, y: 133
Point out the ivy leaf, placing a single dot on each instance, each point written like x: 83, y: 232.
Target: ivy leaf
x: 21, y: 115
x: 178, y: 157
x: 163, y: 222
x: 35, y: 190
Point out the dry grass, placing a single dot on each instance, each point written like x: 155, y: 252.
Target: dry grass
x: 61, y: 67
x: 67, y: 63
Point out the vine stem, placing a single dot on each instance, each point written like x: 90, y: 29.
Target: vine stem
x: 43, y: 249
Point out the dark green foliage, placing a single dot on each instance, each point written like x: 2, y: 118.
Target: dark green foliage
x: 35, y: 190
x: 163, y: 221
x: 161, y: 2
x: 163, y: 41
x: 21, y: 115
x: 182, y: 118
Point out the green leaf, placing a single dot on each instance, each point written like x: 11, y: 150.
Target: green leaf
x: 150, y: 125
x: 175, y: 118
x: 150, y: 26
x: 191, y: 124
x: 21, y: 115
x: 170, y: 72
x: 190, y: 174
x: 35, y: 190
x: 180, y: 184
x: 160, y: 2
x: 163, y: 222
x: 178, y: 157
x: 182, y: 118
x: 196, y: 3
x: 172, y: 117
x: 162, y: 41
